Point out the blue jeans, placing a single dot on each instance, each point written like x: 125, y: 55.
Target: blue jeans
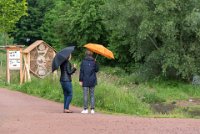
x: 85, y: 97
x: 67, y: 91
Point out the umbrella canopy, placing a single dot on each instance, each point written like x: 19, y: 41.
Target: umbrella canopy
x: 61, y: 57
x: 100, y: 49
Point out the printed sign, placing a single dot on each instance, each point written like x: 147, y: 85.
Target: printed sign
x: 14, y: 60
x: 14, y: 54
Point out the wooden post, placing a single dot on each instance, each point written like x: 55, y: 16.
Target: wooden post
x: 7, y: 68
x: 55, y: 73
x: 26, y: 70
x: 21, y: 65
x: 28, y: 67
x: 23, y: 78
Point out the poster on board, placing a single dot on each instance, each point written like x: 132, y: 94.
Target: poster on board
x: 14, y: 60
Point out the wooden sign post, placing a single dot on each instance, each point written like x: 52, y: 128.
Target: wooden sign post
x: 14, y: 60
x: 26, y: 70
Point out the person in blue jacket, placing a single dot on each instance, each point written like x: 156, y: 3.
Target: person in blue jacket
x: 65, y: 80
x: 88, y: 80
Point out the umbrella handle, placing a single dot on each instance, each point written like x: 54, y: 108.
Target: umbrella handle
x: 96, y: 57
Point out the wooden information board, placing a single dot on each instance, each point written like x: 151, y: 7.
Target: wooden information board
x: 14, y: 60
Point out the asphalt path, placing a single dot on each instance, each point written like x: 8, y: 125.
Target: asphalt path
x: 24, y: 114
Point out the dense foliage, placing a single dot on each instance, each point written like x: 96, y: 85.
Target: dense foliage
x: 149, y: 37
x: 79, y: 22
x: 10, y: 12
x: 28, y: 28
x: 162, y: 35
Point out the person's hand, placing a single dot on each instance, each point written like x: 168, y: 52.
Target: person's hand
x: 81, y: 83
x: 75, y: 65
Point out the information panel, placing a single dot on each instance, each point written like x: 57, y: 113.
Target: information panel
x: 14, y: 60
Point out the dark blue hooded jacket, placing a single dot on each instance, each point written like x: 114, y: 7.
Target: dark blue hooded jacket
x: 88, y: 72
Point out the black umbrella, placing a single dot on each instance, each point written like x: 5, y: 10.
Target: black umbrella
x: 61, y: 57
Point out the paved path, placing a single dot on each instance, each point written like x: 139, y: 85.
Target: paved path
x: 24, y: 114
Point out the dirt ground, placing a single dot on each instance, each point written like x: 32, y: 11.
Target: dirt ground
x: 24, y: 114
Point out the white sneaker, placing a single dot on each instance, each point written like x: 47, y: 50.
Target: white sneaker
x: 85, y: 111
x: 92, y: 111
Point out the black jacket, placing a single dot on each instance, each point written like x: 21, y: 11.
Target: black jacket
x: 66, y: 71
x: 88, y: 72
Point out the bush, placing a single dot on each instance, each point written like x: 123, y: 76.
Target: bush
x: 152, y: 98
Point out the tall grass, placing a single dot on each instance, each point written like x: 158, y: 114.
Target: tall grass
x: 47, y: 88
x: 2, y: 66
x: 109, y: 97
x: 155, y: 90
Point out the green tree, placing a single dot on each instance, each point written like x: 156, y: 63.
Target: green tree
x: 5, y: 39
x: 28, y: 28
x: 10, y: 12
x: 53, y: 27
x: 162, y: 35
x: 84, y: 22
x: 79, y: 22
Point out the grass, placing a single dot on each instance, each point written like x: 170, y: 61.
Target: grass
x: 116, y: 92
x: 109, y: 97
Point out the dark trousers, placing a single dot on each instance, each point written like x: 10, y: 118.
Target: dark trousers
x: 87, y: 90
x: 67, y: 91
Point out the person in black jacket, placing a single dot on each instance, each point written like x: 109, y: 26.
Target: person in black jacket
x: 88, y: 80
x: 65, y: 80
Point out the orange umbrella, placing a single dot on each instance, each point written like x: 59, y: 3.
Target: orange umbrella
x: 99, y: 49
